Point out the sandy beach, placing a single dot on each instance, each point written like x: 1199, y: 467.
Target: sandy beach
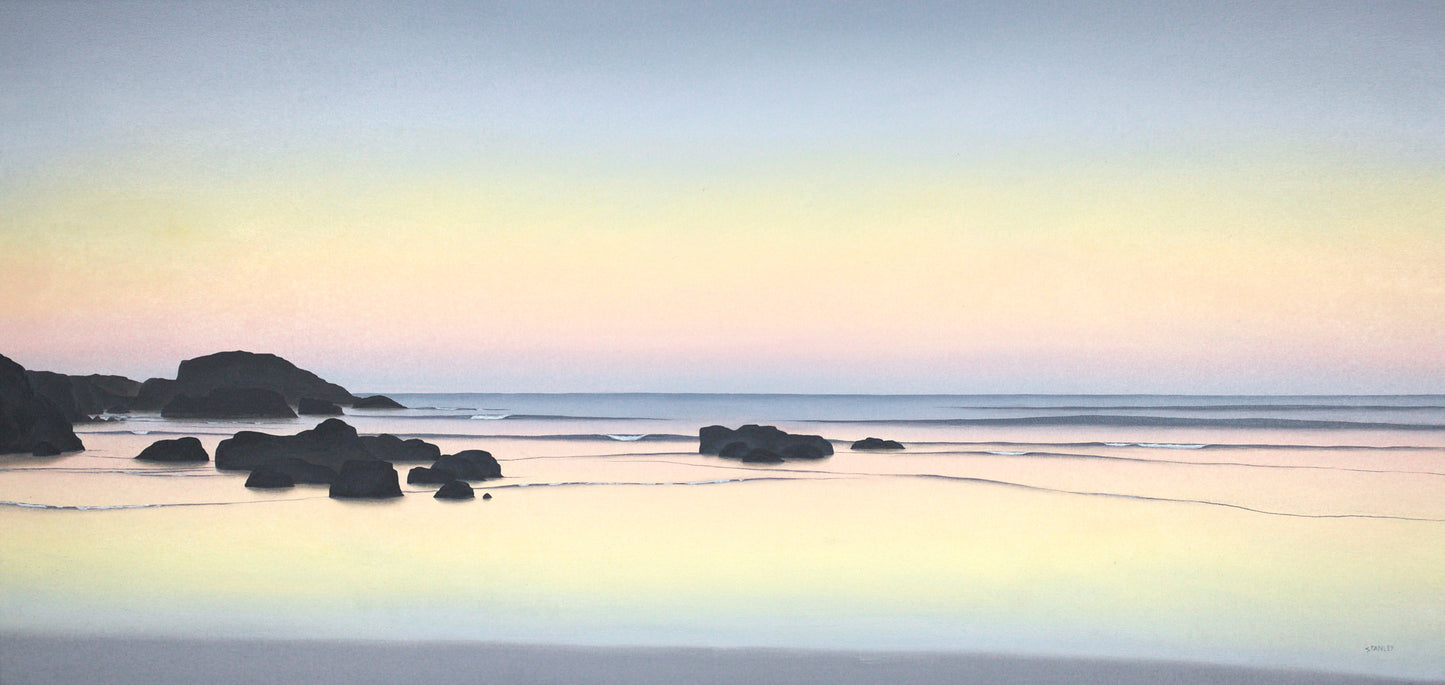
x: 27, y: 660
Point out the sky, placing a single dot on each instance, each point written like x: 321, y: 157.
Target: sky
x: 731, y: 196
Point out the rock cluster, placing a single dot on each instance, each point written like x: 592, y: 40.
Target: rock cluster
x: 332, y: 453
x: 761, y: 444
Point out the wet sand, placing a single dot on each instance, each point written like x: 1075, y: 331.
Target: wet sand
x: 28, y: 659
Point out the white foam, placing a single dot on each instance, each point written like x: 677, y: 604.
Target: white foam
x: 627, y: 438
x: 490, y: 417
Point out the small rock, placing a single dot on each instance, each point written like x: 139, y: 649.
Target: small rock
x: 486, y: 495
x: 178, y: 450
x: 877, y: 444
x: 377, y: 402
x: 455, y: 489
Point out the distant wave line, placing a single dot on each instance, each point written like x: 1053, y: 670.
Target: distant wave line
x: 1065, y: 455
x: 1114, y: 420
x: 1151, y: 498
x: 1207, y: 407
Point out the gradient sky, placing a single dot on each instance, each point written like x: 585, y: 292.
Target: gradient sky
x: 768, y: 197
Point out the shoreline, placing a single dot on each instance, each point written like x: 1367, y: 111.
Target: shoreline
x: 36, y: 658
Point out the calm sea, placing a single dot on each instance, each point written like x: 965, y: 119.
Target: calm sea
x: 1282, y: 531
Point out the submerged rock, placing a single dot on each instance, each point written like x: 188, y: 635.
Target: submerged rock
x: 267, y: 478
x: 455, y: 489
x: 877, y: 444
x: 230, y: 403
x: 369, y: 479
x: 29, y: 421
x: 308, y: 406
x: 376, y: 402
x: 470, y: 465
x: 740, y: 443
x: 177, y: 450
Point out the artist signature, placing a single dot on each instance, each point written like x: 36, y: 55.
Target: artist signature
x: 1379, y: 648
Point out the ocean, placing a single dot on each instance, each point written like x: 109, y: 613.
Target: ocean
x: 1300, y: 532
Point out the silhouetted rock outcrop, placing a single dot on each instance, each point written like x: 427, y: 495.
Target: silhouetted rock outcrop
x: 877, y: 444
x: 331, y: 444
x: 388, y: 447
x: 455, y: 490
x: 422, y: 475
x: 28, y: 421
x: 267, y: 478
x: 369, y: 479
x: 198, y: 377
x: 470, y: 465
x: 178, y: 450
x: 230, y: 403
x: 80, y: 398
x: 758, y: 441
x: 308, y: 406
x: 376, y: 402
x: 301, y: 471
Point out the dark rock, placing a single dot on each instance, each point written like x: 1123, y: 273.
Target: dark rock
x: 301, y: 471
x: 178, y: 450
x: 198, y: 377
x: 369, y: 479
x: 80, y: 398
x: 29, y: 420
x: 308, y: 406
x: 45, y: 449
x: 455, y: 489
x: 376, y: 402
x: 422, y: 475
x: 738, y: 444
x: 877, y: 444
x: 388, y: 447
x: 267, y: 477
x: 470, y: 465
x: 331, y: 443
x: 486, y: 495
x: 230, y: 403
x: 758, y: 455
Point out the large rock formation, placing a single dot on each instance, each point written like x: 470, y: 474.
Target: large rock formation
x: 28, y: 421
x: 198, y: 377
x: 229, y: 403
x: 331, y: 444
x: 366, y: 480
x: 81, y: 398
x: 761, y: 444
x: 179, y: 450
